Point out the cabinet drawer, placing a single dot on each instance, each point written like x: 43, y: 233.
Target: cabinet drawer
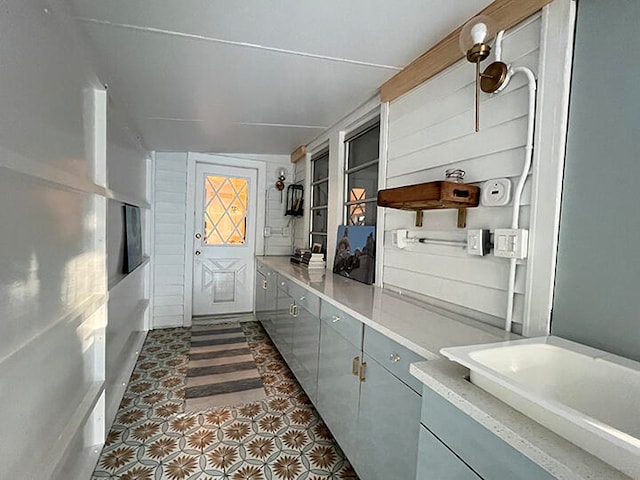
x: 266, y: 271
x: 392, y: 356
x: 344, y: 324
x: 479, y: 448
x: 305, y: 299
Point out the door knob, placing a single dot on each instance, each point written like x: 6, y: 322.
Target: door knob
x: 198, y: 235
x: 198, y: 252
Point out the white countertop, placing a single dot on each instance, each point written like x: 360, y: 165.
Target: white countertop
x: 559, y: 457
x: 418, y: 327
x: 425, y: 330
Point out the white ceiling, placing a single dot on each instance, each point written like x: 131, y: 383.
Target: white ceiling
x: 254, y: 76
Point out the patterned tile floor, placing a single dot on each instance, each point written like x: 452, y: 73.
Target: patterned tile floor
x: 152, y: 438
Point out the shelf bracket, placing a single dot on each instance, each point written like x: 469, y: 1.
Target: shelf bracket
x: 462, y: 217
x: 418, y: 218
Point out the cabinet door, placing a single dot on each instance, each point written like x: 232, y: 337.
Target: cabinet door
x: 436, y: 461
x: 388, y: 425
x: 268, y: 310
x: 260, y: 295
x: 477, y: 446
x: 338, y: 388
x: 283, y: 324
x: 306, y: 345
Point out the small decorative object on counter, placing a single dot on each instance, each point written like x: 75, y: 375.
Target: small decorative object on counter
x: 316, y: 261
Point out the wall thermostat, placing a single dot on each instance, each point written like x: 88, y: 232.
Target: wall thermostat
x: 496, y: 192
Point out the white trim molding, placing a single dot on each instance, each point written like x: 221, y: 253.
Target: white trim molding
x: 556, y: 53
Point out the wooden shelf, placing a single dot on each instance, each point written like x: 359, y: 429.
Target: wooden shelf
x: 431, y: 196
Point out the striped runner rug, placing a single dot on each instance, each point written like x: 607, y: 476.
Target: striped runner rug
x: 221, y: 370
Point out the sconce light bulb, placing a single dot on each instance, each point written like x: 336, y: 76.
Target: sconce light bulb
x: 479, y: 33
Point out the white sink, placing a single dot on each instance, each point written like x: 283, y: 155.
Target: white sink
x: 589, y: 397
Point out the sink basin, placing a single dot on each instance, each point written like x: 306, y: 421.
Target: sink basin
x: 589, y: 397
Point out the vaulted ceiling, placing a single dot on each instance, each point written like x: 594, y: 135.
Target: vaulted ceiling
x: 254, y: 76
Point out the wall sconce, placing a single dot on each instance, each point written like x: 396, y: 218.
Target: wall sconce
x: 281, y: 174
x: 472, y: 42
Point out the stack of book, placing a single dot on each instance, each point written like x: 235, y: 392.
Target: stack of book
x: 316, y: 261
x: 301, y: 256
x: 304, y: 257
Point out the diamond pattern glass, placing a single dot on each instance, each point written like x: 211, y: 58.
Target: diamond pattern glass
x: 225, y: 210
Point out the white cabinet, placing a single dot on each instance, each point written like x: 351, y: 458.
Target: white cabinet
x: 365, y: 396
x: 338, y: 376
x: 265, y: 296
x: 357, y: 378
x: 388, y: 425
x: 293, y: 325
x: 477, y: 449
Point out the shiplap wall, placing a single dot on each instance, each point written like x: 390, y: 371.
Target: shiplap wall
x: 169, y: 222
x: 170, y: 217
x: 430, y: 131
x: 300, y: 226
x: 128, y: 296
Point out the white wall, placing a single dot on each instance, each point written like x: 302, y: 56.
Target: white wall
x: 53, y: 247
x: 128, y: 296
x: 169, y: 222
x: 300, y: 228
x: 170, y: 217
x: 334, y: 138
x: 431, y: 130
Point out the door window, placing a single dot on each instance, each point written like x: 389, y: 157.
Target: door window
x: 225, y: 210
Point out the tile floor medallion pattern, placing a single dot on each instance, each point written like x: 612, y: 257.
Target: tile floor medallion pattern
x: 279, y: 438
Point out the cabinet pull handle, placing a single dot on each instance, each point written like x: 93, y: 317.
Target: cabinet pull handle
x: 302, y: 298
x: 363, y: 365
x: 291, y: 309
x: 394, y: 357
x: 294, y: 310
x: 264, y: 284
x: 354, y: 365
x: 335, y: 318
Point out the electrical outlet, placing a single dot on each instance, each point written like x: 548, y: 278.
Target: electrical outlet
x: 399, y: 238
x: 511, y: 243
x: 285, y: 231
x: 478, y: 242
x: 267, y: 231
x: 496, y: 192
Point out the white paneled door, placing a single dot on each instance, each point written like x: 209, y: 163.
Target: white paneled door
x: 224, y: 239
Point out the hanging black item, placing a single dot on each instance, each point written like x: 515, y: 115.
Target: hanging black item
x: 295, y: 200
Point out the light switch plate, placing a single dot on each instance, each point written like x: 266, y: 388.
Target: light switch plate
x: 511, y: 243
x: 478, y: 242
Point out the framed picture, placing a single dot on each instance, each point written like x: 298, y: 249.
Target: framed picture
x: 132, y: 238
x: 356, y: 253
x: 316, y: 248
